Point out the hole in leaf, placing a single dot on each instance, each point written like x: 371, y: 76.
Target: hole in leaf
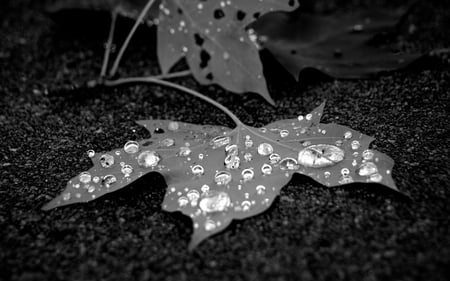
x: 198, y: 39
x: 293, y: 52
x: 159, y: 131
x: 218, y: 14
x: 240, y: 15
x: 204, y: 58
x: 180, y: 11
x: 291, y: 3
x: 256, y: 15
x: 209, y: 76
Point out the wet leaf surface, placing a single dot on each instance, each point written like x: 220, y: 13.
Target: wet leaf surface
x: 211, y: 35
x: 216, y: 174
x: 341, y: 45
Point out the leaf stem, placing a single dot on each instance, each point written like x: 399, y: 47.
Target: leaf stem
x: 173, y: 75
x: 130, y: 35
x: 109, y: 43
x: 158, y: 81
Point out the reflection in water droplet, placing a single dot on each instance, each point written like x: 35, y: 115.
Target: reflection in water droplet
x: 90, y: 153
x: 284, y: 133
x: 355, y: 145
x: 222, y: 178
x: 345, y: 179
x: 248, y: 157
x: 247, y: 174
x: 274, y: 158
x: 167, y: 142
x: 345, y: 171
x: 219, y: 141
x: 148, y: 159
x: 108, y: 180
x: 85, y: 177
x: 367, y: 154
x: 106, y: 160
x: 367, y: 169
x: 288, y: 164
x: 183, y: 201
x: 376, y: 178
x: 127, y: 170
x: 210, y: 225
x: 265, y: 149
x: 173, y: 126
x: 131, y: 147
x: 320, y: 155
x: 198, y: 170
x: 260, y: 189
x: 215, y: 201
x: 266, y: 169
x: 348, y: 135
x: 66, y: 196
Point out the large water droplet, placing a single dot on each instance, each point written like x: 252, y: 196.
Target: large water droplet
x: 222, y: 178
x: 220, y: 141
x: 131, y: 147
x: 184, y: 151
x: 274, y: 158
x: 108, y: 180
x: 167, y: 142
x: 198, y: 170
x: 148, y: 159
x: 85, y: 177
x: 215, y: 202
x: 126, y: 170
x: 266, y: 169
x: 288, y: 164
x: 232, y: 162
x: 265, y: 149
x: 355, y: 145
x: 247, y: 174
x: 367, y: 169
x: 320, y: 155
x: 367, y: 154
x: 106, y: 160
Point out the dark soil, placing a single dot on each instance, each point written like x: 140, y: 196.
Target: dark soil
x: 49, y: 119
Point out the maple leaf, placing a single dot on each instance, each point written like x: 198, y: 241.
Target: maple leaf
x: 212, y: 36
x: 216, y: 174
x: 340, y: 45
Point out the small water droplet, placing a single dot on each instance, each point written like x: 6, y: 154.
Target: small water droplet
x: 348, y: 135
x: 66, y: 196
x: 183, y: 201
x: 246, y: 205
x: 324, y: 132
x: 248, y: 157
x: 339, y: 143
x: 148, y: 159
x: 85, y: 177
x: 126, y: 170
x: 345, y: 179
x: 260, y: 189
x: 90, y: 153
x: 106, y: 160
x: 288, y: 164
x: 108, y: 180
x: 90, y: 188
x: 248, y: 143
x: 355, y: 145
x: 96, y: 179
x: 247, y: 174
x: 354, y: 163
x: 220, y: 141
x: 222, y: 178
x: 193, y: 196
x: 200, y: 6
x: 266, y: 169
x: 300, y: 117
x: 167, y: 142
x: 215, y: 201
x: 320, y: 155
x: 308, y: 116
x: 274, y: 158
x: 232, y: 161
x: 284, y: 133
x: 198, y: 170
x: 184, y: 151
x: 210, y: 225
x: 173, y: 126
x: 265, y: 149
x: 200, y: 156
x: 345, y: 172
x: 226, y: 55
x: 376, y: 177
x: 326, y: 174
x: 131, y: 147
x: 367, y: 169
x: 367, y: 154
x: 205, y: 188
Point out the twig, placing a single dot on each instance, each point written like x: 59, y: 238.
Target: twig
x: 154, y: 80
x: 109, y: 44
x: 130, y: 35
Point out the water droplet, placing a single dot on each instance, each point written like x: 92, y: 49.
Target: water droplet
x: 246, y: 205
x: 96, y: 179
x: 288, y: 164
x: 274, y: 158
x: 348, y: 135
x: 210, y: 225
x: 215, y: 201
x: 284, y: 133
x: 200, y: 6
x: 355, y: 145
x: 90, y: 188
x: 184, y: 151
x: 306, y: 143
x: 248, y: 143
x: 167, y: 142
x: 232, y: 161
x: 66, y: 196
x: 200, y: 156
x: 193, y: 196
x: 327, y: 174
x: 231, y: 149
x: 354, y: 163
x: 108, y: 180
x: 198, y: 170
x: 148, y: 159
x: 260, y: 189
x: 324, y: 132
x: 127, y: 170
x: 222, y: 178
x: 173, y: 126
x: 226, y: 55
x: 220, y: 141
x: 205, y: 188
x: 183, y: 201
x: 85, y: 177
x: 320, y: 155
x: 247, y: 174
x: 300, y: 117
x: 131, y: 147
x: 106, y: 160
x: 90, y: 153
x: 345, y: 172
x: 376, y: 177
x: 248, y: 157
x: 266, y: 169
x: 339, y: 143
x: 345, y: 179
x: 367, y: 154
x: 265, y: 149
x: 308, y: 116
x: 367, y: 169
